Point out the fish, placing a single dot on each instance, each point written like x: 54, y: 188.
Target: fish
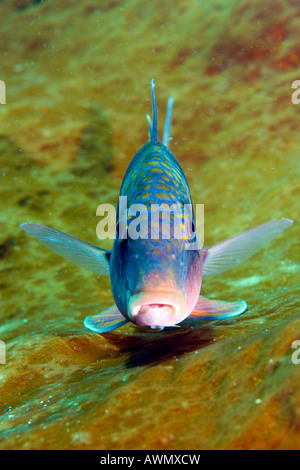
x: 156, y: 281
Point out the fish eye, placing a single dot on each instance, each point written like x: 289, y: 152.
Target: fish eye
x: 191, y: 229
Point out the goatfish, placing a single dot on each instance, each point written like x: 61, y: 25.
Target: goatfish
x: 156, y: 281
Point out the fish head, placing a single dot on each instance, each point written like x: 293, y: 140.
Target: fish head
x: 155, y: 283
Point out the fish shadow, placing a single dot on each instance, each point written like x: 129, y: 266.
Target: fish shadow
x: 152, y: 348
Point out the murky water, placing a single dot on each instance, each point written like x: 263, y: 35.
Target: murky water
x: 77, y: 90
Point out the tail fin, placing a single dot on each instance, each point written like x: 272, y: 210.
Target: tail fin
x: 166, y: 136
x: 153, y: 136
x: 153, y: 123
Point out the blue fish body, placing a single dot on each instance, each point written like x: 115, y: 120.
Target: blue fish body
x: 154, y: 177
x: 156, y: 275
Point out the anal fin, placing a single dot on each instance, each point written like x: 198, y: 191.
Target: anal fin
x: 207, y: 309
x: 105, y: 321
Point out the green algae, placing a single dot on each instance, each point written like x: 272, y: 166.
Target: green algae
x: 75, y: 116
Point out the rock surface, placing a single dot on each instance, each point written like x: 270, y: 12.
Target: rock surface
x: 77, y: 78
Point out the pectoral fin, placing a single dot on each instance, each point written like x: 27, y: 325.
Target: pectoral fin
x: 78, y: 252
x: 105, y: 321
x: 206, y: 309
x: 232, y: 252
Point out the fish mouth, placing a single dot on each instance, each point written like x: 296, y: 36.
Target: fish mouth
x: 156, y: 309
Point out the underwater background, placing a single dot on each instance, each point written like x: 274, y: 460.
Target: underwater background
x: 77, y: 78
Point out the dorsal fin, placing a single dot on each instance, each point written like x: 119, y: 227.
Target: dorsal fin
x: 153, y: 136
